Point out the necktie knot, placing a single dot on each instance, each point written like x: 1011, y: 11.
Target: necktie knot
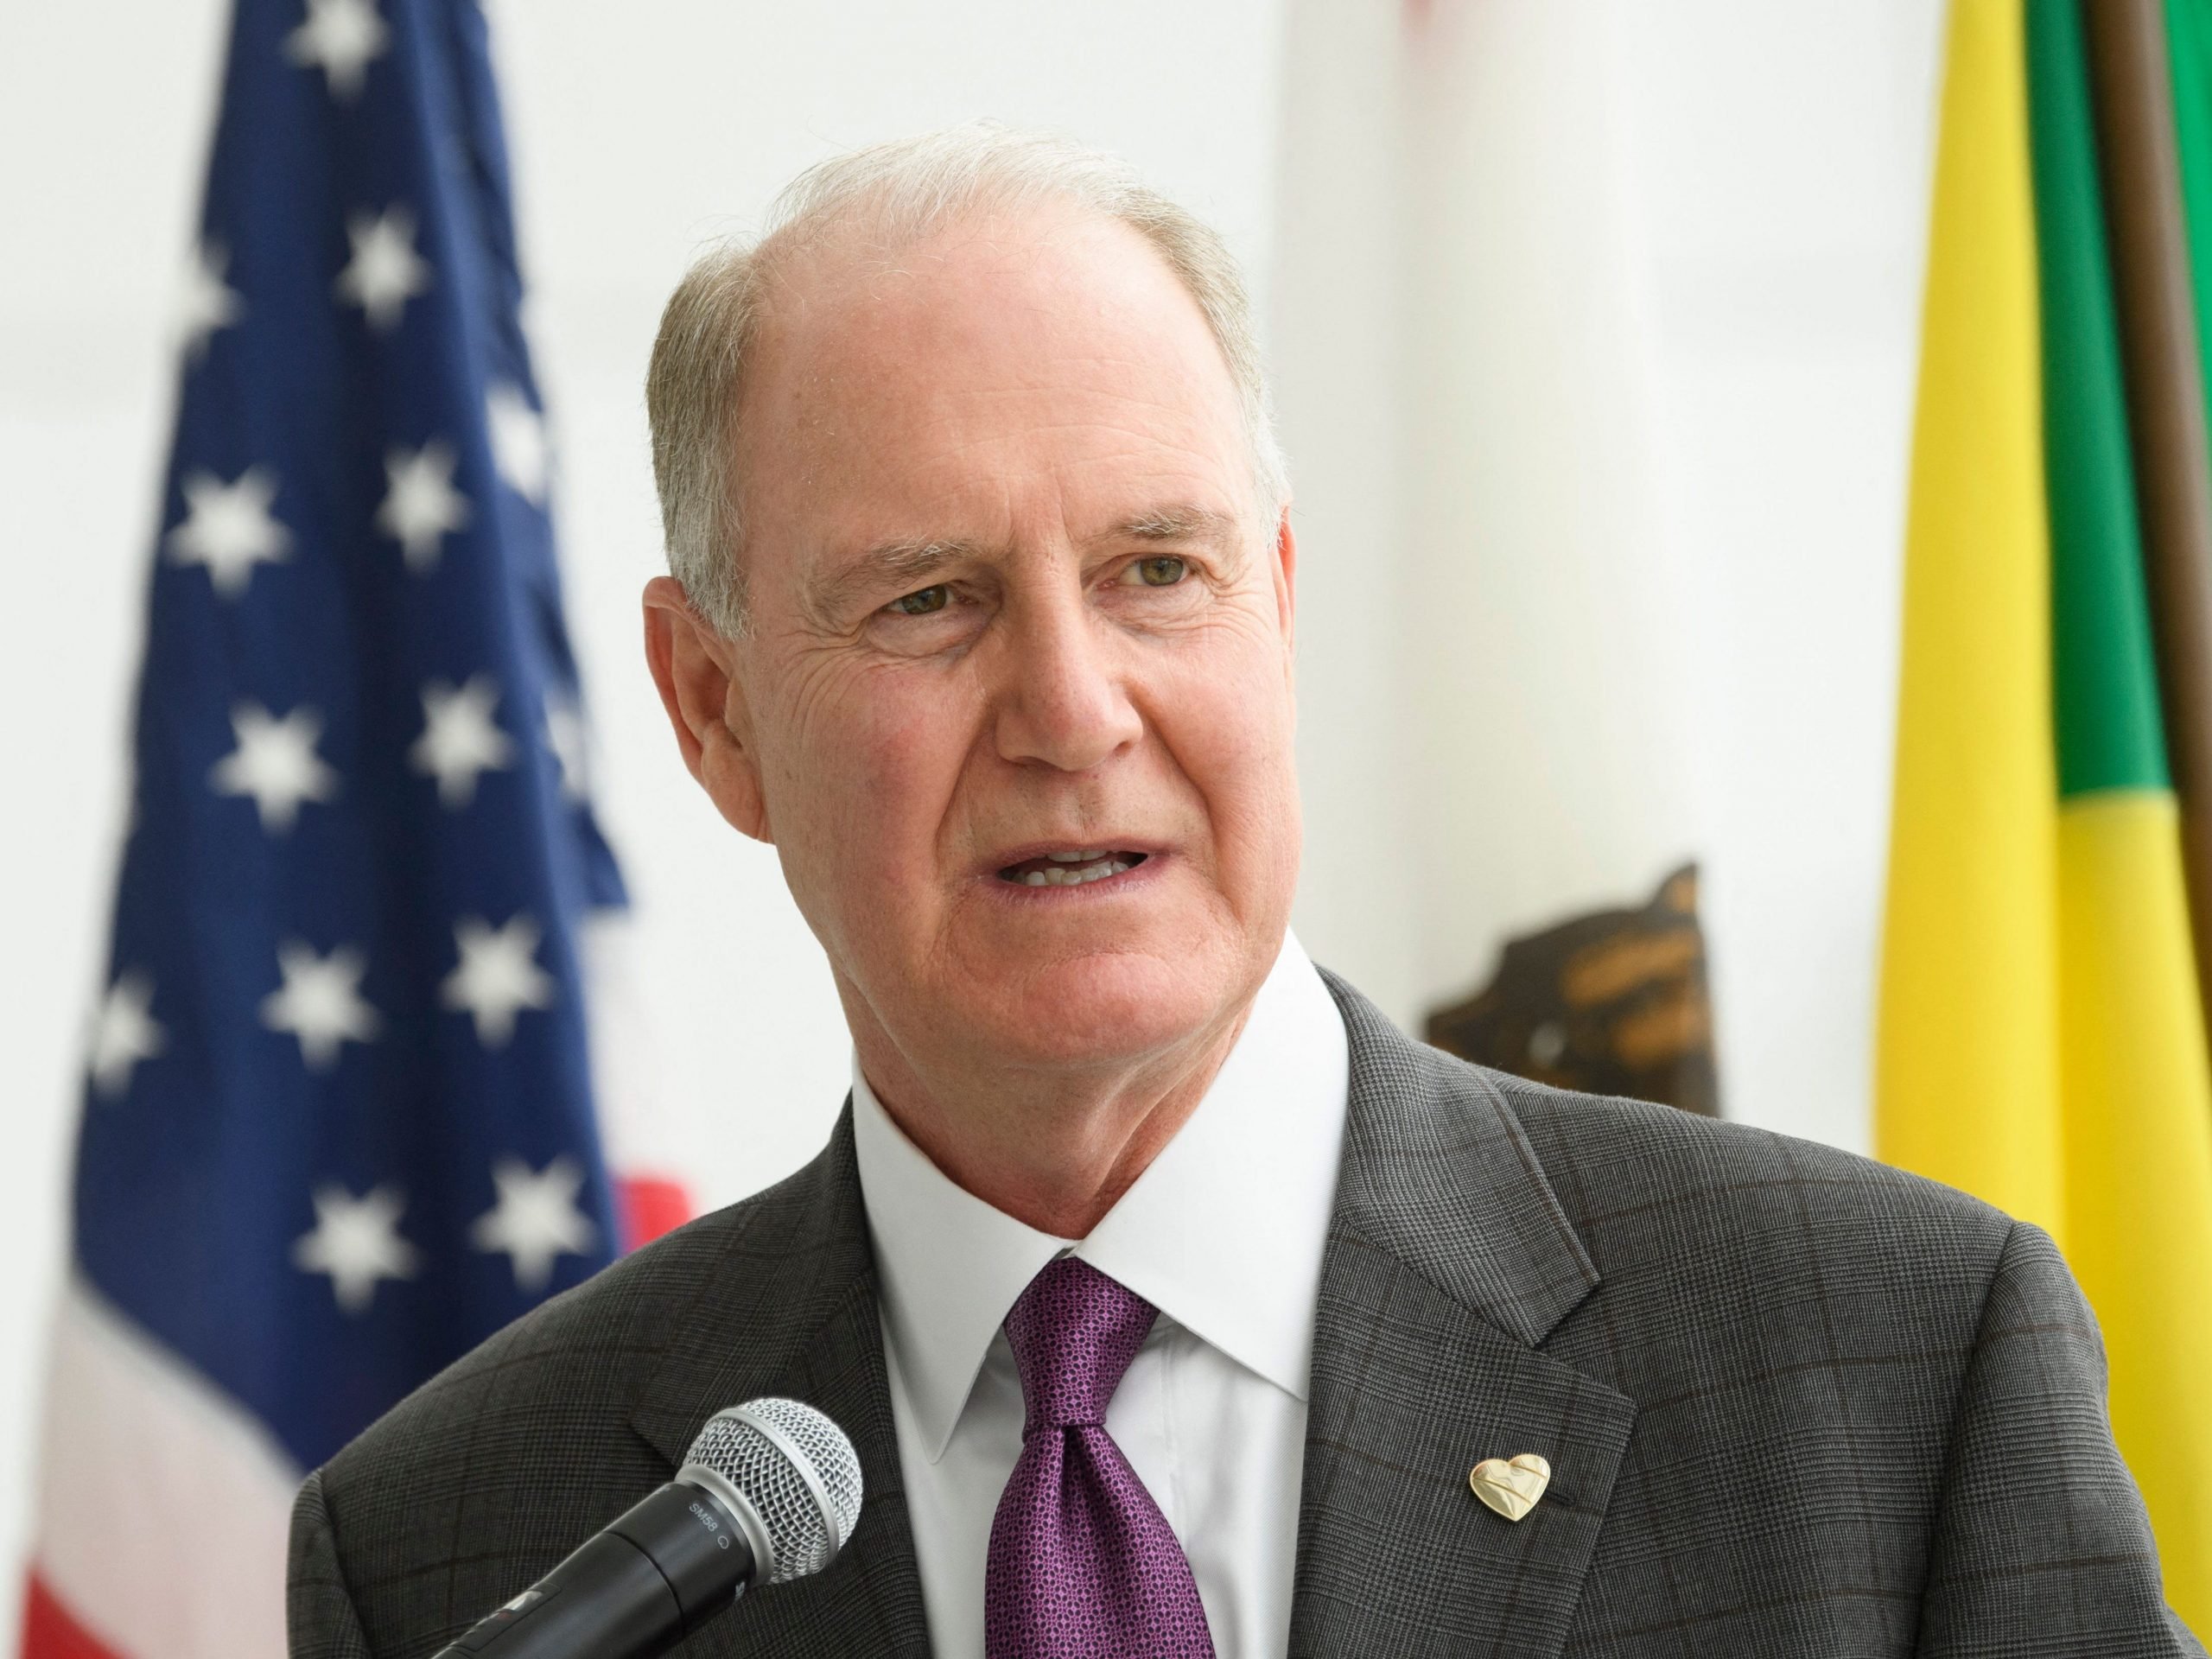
x: 1073, y: 1332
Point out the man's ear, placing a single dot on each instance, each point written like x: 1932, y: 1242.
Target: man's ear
x: 1285, y: 575
x: 695, y: 669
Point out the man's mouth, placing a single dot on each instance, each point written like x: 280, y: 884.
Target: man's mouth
x: 1072, y: 869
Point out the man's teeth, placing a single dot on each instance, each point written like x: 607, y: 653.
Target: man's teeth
x: 1073, y: 869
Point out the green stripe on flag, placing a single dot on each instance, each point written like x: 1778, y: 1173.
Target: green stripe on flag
x: 2188, y: 44
x: 2104, y: 678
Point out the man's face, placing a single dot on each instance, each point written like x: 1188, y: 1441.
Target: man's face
x: 1017, y: 699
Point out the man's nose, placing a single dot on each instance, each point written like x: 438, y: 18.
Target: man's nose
x: 1063, y: 702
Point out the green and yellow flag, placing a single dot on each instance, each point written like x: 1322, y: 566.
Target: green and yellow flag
x: 2042, y: 1036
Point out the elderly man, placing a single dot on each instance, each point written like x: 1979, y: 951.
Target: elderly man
x: 1175, y: 1302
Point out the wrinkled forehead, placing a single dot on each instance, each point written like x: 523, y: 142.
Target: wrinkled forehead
x: 1046, y: 337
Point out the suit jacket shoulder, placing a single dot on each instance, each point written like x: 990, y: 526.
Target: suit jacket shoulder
x: 487, y: 1475
x: 1745, y: 1223
x: 1792, y: 1401
x: 1917, y: 1373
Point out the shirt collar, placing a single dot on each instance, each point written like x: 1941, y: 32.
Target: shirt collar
x: 1224, y: 1232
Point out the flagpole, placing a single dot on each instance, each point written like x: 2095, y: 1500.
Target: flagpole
x: 2149, y: 245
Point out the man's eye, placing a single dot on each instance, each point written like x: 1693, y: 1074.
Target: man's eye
x: 1163, y: 572
x: 921, y: 603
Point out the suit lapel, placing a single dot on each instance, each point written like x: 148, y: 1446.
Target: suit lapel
x: 790, y: 1310
x: 1449, y: 1262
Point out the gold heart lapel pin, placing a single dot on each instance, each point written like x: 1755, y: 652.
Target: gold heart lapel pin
x: 1511, y: 1486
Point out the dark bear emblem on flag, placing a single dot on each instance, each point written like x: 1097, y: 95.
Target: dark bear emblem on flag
x: 1614, y: 1003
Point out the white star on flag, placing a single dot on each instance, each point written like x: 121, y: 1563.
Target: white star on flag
x: 460, y: 739
x: 357, y: 1243
x: 519, y: 448
x: 276, y: 763
x: 125, y: 1033
x: 385, y: 271
x: 319, y: 1001
x: 564, y: 736
x: 498, y: 977
x: 208, y: 302
x: 339, y: 37
x: 536, y: 1219
x: 228, y: 528
x: 421, y: 505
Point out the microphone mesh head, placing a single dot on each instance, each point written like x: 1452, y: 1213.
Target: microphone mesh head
x: 767, y: 1449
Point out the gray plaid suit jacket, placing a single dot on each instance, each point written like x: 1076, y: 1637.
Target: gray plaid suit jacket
x: 1795, y: 1404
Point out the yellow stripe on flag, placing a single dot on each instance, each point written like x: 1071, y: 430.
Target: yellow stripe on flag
x: 1966, y: 1072
x: 2138, y: 1151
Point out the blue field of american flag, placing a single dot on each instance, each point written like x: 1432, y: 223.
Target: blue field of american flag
x: 338, y: 1121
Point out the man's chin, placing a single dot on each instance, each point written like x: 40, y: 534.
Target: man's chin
x: 1105, y: 1010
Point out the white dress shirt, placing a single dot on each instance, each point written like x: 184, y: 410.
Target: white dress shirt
x: 1222, y: 1233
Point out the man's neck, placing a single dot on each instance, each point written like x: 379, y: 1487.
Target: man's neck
x: 1054, y: 1150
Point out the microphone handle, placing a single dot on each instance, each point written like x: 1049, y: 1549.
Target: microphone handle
x: 633, y: 1591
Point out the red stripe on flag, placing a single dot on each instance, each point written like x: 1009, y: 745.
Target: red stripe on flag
x: 649, y: 1206
x: 51, y: 1631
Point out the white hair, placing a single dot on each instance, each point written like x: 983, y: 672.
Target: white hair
x: 903, y: 190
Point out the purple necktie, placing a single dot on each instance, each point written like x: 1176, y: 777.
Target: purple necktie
x: 1082, y: 1563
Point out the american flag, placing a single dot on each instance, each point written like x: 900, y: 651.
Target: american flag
x: 338, y: 1121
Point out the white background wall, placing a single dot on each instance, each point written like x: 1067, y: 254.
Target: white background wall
x: 1766, y: 168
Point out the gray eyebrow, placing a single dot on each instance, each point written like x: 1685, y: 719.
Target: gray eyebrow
x: 1178, y: 524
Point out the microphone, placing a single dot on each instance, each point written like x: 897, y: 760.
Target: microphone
x: 770, y: 1490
